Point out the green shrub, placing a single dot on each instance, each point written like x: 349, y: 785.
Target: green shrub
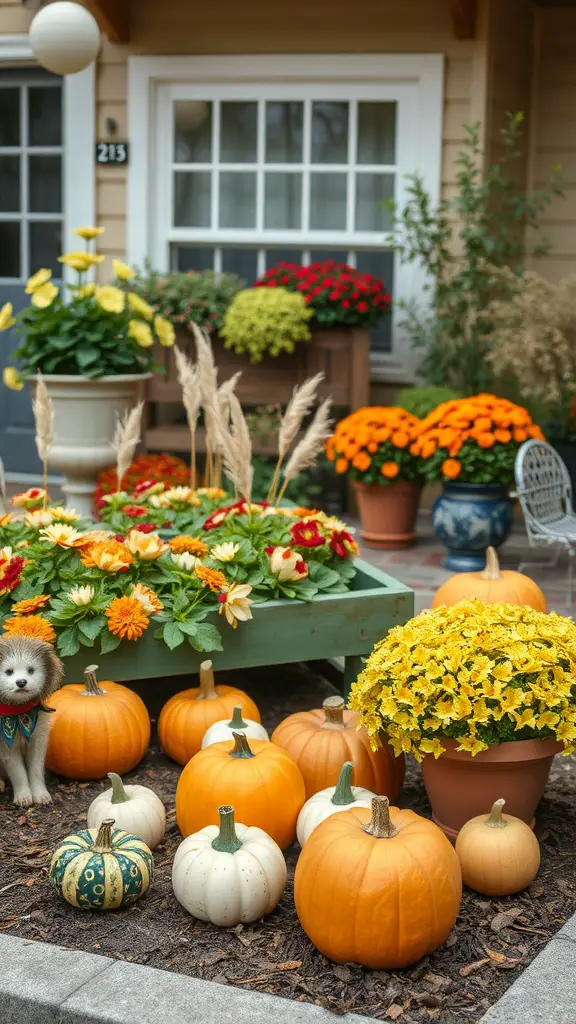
x: 422, y: 401
x: 200, y: 297
x: 266, y: 321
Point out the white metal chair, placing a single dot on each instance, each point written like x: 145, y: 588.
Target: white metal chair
x: 544, y: 490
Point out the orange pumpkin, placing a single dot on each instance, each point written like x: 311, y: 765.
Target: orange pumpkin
x: 491, y: 585
x: 185, y: 718
x: 322, y: 739
x: 380, y: 888
x: 257, y: 777
x: 98, y: 728
x: 499, y: 853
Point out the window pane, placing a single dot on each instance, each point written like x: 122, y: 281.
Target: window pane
x: 194, y: 257
x: 336, y: 255
x: 9, y: 117
x: 372, y: 192
x: 192, y: 191
x: 274, y: 256
x: 283, y: 201
x: 243, y: 262
x: 376, y: 133
x: 46, y: 246
x: 284, y: 123
x: 237, y: 199
x: 9, y: 249
x: 380, y: 264
x: 329, y: 133
x: 45, y: 116
x: 9, y: 184
x: 45, y: 184
x: 238, y: 127
x: 192, y: 132
x: 327, y: 202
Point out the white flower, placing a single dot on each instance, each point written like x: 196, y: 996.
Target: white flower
x: 148, y: 599
x: 235, y: 604
x: 39, y: 517
x: 185, y: 561
x: 64, y: 515
x: 287, y: 565
x: 6, y: 553
x: 147, y: 546
x: 225, y: 552
x: 81, y: 595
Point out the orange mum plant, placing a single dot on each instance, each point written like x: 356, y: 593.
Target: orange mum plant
x: 374, y: 445
x: 473, y: 440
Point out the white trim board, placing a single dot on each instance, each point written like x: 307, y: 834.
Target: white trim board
x: 424, y: 72
x: 79, y: 137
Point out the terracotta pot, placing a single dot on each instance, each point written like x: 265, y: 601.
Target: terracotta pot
x: 388, y: 513
x: 460, y: 786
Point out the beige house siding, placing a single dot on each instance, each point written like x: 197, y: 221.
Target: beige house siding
x: 14, y: 20
x: 510, y: 66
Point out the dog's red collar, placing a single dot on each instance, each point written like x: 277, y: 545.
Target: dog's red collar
x: 18, y: 709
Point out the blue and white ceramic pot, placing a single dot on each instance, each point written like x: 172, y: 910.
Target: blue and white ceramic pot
x: 468, y: 518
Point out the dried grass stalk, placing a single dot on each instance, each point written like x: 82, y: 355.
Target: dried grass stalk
x: 224, y: 392
x: 300, y: 404
x: 44, y: 420
x: 309, y: 448
x: 234, y: 438
x: 126, y: 439
x: 187, y: 374
x: 3, y: 491
x: 208, y: 382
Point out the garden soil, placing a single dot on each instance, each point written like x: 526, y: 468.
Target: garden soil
x: 492, y: 942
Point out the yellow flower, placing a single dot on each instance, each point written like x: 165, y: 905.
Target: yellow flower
x: 235, y: 604
x: 84, y: 291
x: 38, y: 518
x: 107, y: 555
x: 187, y: 495
x: 147, y: 546
x: 5, y: 518
x: 35, y: 626
x: 6, y: 318
x: 12, y: 379
x: 547, y: 720
x: 64, y: 515
x: 566, y: 732
x: 32, y: 498
x: 123, y: 271
x: 140, y: 333
x: 432, y: 747
x: 211, y: 578
x: 126, y: 618
x: 63, y: 536
x: 527, y: 718
x: 88, y: 233
x: 193, y: 545
x: 30, y: 604
x: 472, y: 744
x: 150, y: 601
x: 225, y: 552
x: 164, y: 331
x: 81, y: 596
x: 139, y: 306
x: 44, y: 296
x: 109, y: 298
x: 80, y: 261
x: 38, y: 279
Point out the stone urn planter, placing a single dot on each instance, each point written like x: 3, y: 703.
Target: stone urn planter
x: 388, y: 513
x: 460, y: 786
x: 85, y: 415
x: 469, y: 518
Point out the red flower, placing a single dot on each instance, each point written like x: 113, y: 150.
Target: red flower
x: 343, y: 544
x: 120, y: 538
x: 146, y: 527
x: 301, y: 567
x: 334, y: 295
x: 133, y: 511
x: 10, y: 573
x: 346, y: 303
x: 362, y: 307
x: 143, y: 486
x: 307, y: 535
x: 269, y: 550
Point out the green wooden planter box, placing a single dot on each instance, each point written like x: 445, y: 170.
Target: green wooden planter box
x: 331, y: 626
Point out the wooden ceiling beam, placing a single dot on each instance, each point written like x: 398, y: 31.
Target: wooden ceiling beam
x: 113, y: 16
x: 463, y: 14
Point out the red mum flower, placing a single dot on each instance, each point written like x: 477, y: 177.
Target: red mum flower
x: 307, y: 535
x: 362, y: 307
x: 133, y: 511
x: 10, y: 574
x: 343, y: 544
x: 147, y: 527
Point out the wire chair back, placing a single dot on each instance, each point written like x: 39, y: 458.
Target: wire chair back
x: 543, y: 487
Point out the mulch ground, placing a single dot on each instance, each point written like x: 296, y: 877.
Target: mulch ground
x: 492, y: 942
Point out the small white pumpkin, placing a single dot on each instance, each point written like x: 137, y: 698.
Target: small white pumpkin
x: 223, y: 729
x: 341, y: 797
x: 229, y: 874
x: 135, y: 809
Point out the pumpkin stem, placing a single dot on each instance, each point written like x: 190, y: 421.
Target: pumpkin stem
x: 241, y: 746
x: 380, y: 825
x: 495, y: 819
x: 103, y: 841
x: 492, y: 570
x: 343, y: 793
x: 237, y: 722
x: 119, y: 794
x: 226, y: 841
x: 207, y: 689
x: 334, y: 711
x: 91, y: 688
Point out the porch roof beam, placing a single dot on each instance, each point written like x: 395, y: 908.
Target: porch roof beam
x: 113, y: 16
x: 463, y: 14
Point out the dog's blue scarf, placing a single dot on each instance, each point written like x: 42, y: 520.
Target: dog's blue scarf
x: 23, y: 722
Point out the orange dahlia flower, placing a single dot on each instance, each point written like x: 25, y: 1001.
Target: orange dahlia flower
x: 30, y: 604
x: 451, y: 468
x: 192, y: 545
x: 212, y: 578
x: 127, y: 618
x: 390, y: 470
x: 35, y: 626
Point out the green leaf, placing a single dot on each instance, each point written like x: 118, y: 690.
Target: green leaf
x: 173, y: 635
x: 109, y: 642
x: 91, y: 627
x: 205, y: 637
x: 67, y: 642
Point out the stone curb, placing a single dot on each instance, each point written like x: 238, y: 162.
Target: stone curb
x: 44, y: 984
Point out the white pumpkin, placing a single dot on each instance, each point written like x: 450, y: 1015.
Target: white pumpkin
x: 223, y: 729
x: 341, y: 797
x: 229, y: 874
x: 135, y: 809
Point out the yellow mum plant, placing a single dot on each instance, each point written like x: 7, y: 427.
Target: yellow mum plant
x: 479, y: 674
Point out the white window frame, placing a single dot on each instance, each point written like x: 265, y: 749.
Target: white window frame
x: 415, y: 80
x: 79, y: 123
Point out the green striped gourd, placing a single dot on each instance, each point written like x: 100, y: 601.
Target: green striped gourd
x: 101, y: 869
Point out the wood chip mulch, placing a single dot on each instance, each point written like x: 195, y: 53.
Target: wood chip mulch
x: 492, y: 942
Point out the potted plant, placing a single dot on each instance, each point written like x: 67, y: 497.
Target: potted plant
x: 259, y: 323
x: 93, y: 350
x: 374, y: 447
x: 470, y: 445
x: 482, y: 695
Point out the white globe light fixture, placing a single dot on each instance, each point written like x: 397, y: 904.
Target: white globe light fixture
x: 65, y: 38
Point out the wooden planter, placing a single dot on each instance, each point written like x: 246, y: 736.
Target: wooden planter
x: 342, y: 354
x: 331, y: 626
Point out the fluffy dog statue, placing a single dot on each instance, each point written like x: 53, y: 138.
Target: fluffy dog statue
x: 30, y: 671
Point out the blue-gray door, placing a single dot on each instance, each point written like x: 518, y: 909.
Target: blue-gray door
x: 31, y: 216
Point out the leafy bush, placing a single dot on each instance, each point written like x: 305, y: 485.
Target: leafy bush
x: 422, y: 401
x: 263, y: 322
x: 186, y: 298
x: 337, y: 293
